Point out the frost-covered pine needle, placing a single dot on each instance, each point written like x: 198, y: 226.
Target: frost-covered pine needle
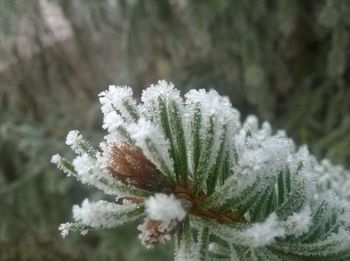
x: 188, y: 167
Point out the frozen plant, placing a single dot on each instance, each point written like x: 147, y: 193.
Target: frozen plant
x: 225, y: 190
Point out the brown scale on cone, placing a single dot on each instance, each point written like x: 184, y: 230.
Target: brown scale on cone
x: 130, y: 166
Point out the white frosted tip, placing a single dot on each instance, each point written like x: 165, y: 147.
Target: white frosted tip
x: 164, y: 207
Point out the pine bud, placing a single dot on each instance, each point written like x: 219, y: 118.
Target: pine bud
x: 130, y: 166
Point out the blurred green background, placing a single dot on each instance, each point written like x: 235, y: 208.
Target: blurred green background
x: 285, y: 61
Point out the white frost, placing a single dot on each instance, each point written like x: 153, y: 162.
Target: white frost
x: 78, y: 144
x: 73, y: 137
x: 55, y: 159
x: 145, y: 132
x: 102, y: 214
x: 161, y: 89
x: 59, y: 162
x: 68, y: 227
x: 114, y: 100
x: 264, y: 233
x: 164, y: 207
x: 156, y: 232
x: 214, y: 109
x: 251, y: 153
x: 298, y: 223
x: 89, y: 172
x: 111, y: 121
x: 64, y: 229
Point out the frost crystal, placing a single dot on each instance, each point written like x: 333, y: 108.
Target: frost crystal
x: 83, y: 165
x: 73, y: 138
x: 102, y: 214
x: 264, y: 233
x: 78, y: 143
x: 68, y: 227
x: 118, y: 99
x: 298, y: 223
x: 111, y: 121
x: 63, y: 165
x: 226, y: 189
x: 154, y: 232
x: 161, y: 89
x: 64, y: 228
x: 55, y: 159
x: 164, y: 207
x: 88, y: 172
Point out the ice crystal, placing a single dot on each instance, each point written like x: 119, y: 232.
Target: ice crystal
x: 154, y: 232
x: 64, y: 228
x: 164, y: 90
x: 55, y: 159
x: 102, y: 214
x: 299, y: 223
x: 117, y: 100
x: 164, y: 207
x: 261, y: 234
x: 223, y: 188
x: 153, y: 143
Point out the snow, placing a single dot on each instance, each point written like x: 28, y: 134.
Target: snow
x: 299, y: 223
x: 264, y: 233
x: 164, y: 207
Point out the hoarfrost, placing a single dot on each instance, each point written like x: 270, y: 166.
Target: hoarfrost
x: 164, y: 207
x: 162, y: 89
x: 111, y: 121
x: 102, y: 214
x: 261, y: 234
x: 253, y: 159
x: 144, y: 132
x: 55, y: 159
x: 155, y: 232
x: 298, y: 223
x: 73, y: 138
x: 78, y: 144
x: 118, y: 100
x: 218, y: 119
x: 89, y: 172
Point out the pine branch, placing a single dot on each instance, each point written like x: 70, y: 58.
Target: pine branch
x: 192, y: 166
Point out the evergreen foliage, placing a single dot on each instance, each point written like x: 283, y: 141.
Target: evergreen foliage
x: 284, y: 61
x: 227, y: 190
